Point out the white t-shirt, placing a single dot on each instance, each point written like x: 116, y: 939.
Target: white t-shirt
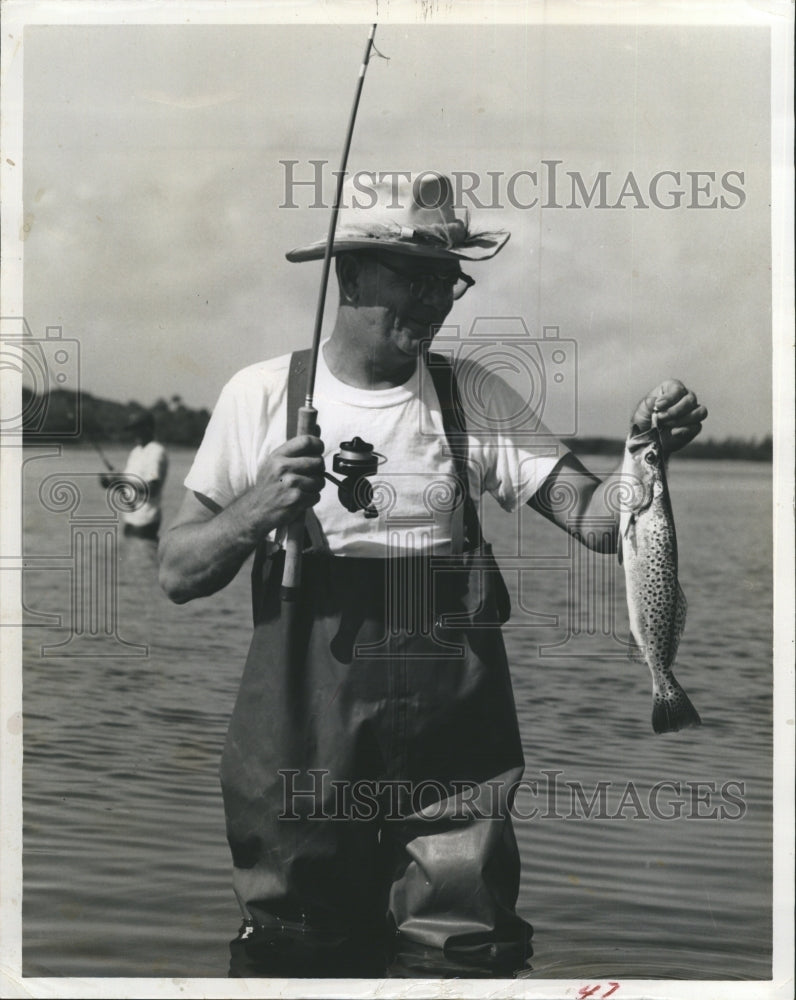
x: 414, y: 485
x: 150, y: 463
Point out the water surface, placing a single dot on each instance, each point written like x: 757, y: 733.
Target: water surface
x: 126, y: 869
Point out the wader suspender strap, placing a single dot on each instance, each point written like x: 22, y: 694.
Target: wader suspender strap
x: 444, y: 379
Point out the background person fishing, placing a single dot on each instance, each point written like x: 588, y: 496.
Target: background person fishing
x: 342, y: 689
x: 148, y: 461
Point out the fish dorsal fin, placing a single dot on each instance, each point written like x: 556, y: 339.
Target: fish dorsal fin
x: 619, y: 554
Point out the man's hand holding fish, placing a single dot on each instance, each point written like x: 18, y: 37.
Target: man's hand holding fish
x: 679, y: 415
x: 591, y: 500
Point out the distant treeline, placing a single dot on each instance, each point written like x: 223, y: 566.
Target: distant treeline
x: 729, y: 448
x: 63, y: 414
x: 80, y: 417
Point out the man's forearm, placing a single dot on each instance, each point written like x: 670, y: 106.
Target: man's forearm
x: 199, y: 558
x: 597, y: 521
x: 207, y: 545
x: 581, y: 503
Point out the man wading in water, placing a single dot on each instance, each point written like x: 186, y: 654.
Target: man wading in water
x: 147, y: 463
x: 372, y: 707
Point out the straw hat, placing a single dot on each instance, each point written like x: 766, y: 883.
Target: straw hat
x: 408, y: 217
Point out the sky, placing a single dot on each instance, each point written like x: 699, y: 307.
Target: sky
x: 155, y: 225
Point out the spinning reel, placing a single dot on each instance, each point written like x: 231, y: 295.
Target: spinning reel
x: 355, y: 460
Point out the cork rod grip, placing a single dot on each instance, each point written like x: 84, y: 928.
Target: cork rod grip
x: 294, y: 543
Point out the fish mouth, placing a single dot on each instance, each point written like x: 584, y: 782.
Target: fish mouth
x: 638, y: 439
x: 649, y: 435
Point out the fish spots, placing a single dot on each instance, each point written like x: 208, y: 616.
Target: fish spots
x: 656, y: 605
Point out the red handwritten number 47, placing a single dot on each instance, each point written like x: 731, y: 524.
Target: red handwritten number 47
x: 592, y: 991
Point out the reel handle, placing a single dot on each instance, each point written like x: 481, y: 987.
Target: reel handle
x: 294, y: 543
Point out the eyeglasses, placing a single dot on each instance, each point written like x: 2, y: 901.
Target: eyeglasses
x: 425, y: 286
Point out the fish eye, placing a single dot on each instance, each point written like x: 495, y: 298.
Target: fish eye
x: 651, y: 458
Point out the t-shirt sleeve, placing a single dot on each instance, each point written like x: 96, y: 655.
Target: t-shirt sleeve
x: 222, y: 468
x: 511, y: 447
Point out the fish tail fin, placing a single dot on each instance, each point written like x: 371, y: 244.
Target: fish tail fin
x: 673, y: 710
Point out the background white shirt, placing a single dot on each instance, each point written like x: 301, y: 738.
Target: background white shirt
x: 150, y: 463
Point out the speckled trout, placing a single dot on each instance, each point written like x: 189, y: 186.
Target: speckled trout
x: 655, y: 601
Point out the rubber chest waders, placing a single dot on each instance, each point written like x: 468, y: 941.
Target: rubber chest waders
x: 357, y: 715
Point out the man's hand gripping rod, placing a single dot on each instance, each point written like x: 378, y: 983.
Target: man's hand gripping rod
x: 291, y: 575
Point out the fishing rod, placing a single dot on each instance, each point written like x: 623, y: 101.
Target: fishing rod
x: 92, y: 441
x: 307, y: 414
x: 99, y: 451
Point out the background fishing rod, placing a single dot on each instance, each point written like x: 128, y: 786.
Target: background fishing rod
x: 85, y: 432
x: 106, y: 481
x: 307, y: 414
x: 99, y: 451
